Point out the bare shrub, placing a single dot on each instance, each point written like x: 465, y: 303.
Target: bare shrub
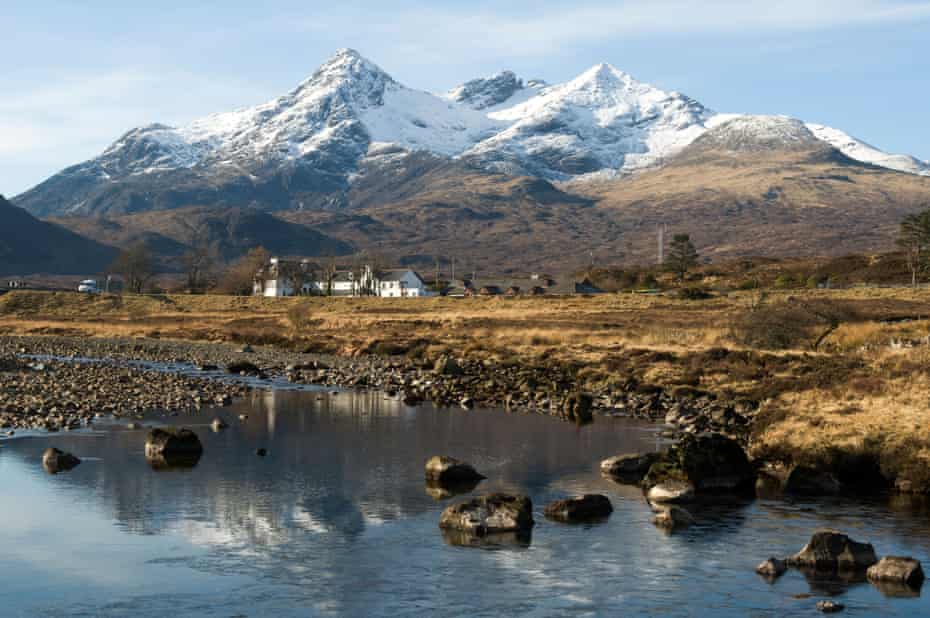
x: 788, y: 324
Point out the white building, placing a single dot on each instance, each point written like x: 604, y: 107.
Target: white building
x: 275, y: 280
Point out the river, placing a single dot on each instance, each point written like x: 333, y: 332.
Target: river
x: 336, y: 520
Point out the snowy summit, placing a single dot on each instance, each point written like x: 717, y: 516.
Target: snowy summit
x: 351, y: 113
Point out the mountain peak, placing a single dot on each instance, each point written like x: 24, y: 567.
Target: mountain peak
x: 488, y: 91
x: 347, y: 65
x: 604, y: 74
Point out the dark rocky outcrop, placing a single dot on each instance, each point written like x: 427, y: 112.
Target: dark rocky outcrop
x: 830, y: 550
x: 629, y: 468
x: 489, y: 514
x: 170, y: 443
x: 449, y: 470
x: 55, y: 461
x: 447, y: 366
x: 589, y: 507
x: 807, y: 481
x: 897, y: 569
x: 578, y: 408
x: 711, y: 462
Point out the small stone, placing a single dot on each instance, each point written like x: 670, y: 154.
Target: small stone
x: 582, y: 508
x: 773, y: 567
x: 55, y: 461
x: 450, y: 470
x: 830, y: 607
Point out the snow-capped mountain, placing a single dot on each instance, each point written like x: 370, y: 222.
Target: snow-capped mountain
x: 304, y: 149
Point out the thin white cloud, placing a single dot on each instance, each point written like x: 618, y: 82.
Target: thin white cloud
x: 541, y: 28
x: 63, y: 120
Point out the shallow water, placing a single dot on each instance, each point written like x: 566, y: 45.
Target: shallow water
x: 336, y: 520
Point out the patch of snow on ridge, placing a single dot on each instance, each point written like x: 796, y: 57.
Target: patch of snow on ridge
x: 602, y: 119
x: 861, y: 151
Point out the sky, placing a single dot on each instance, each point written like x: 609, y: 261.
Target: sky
x: 78, y: 74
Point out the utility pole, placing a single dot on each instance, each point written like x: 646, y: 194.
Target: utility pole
x: 453, y: 268
x: 661, y: 244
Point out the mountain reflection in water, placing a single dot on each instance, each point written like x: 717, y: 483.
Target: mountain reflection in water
x: 338, y: 520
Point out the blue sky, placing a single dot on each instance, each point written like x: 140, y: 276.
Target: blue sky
x: 78, y: 74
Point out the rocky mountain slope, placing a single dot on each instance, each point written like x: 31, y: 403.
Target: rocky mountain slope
x: 307, y: 149
x: 29, y: 246
x: 762, y: 186
x: 229, y: 232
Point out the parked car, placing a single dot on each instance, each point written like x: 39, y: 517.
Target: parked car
x: 88, y: 286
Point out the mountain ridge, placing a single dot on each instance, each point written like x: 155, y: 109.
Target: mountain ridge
x: 304, y: 150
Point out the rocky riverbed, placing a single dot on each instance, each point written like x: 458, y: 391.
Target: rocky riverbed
x: 70, y: 390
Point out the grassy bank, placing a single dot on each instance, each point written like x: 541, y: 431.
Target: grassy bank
x: 862, y: 391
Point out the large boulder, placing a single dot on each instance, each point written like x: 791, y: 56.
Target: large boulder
x: 897, y: 569
x: 489, y: 514
x: 588, y: 507
x: 629, y: 468
x: 443, y: 469
x: 711, y: 462
x: 168, y: 443
x: 834, y: 551
x: 55, y: 461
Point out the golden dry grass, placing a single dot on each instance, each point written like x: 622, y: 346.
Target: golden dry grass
x: 859, y: 391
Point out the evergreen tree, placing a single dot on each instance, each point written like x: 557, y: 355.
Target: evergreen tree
x: 682, y: 256
x: 914, y: 240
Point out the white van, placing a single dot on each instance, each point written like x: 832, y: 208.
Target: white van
x: 88, y: 286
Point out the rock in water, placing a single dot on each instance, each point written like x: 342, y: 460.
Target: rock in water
x: 243, y: 368
x: 832, y: 550
x: 628, y: 468
x: 55, y: 461
x: 489, y: 514
x: 577, y: 407
x: 772, y: 568
x: 672, y: 517
x: 830, y: 607
x: 261, y: 452
x: 710, y: 461
x: 897, y: 569
x: 442, y: 469
x: 167, y: 443
x: 671, y: 491
x: 582, y: 508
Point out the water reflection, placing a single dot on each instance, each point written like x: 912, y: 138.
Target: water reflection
x: 336, y: 520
